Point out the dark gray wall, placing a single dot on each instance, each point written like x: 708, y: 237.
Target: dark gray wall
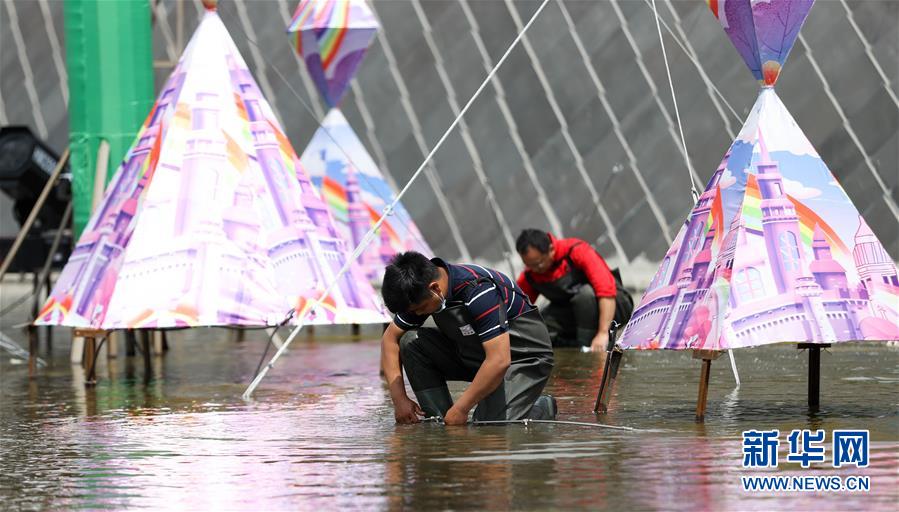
x: 547, y: 115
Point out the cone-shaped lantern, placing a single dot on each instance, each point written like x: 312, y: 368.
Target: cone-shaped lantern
x: 210, y: 219
x: 774, y: 250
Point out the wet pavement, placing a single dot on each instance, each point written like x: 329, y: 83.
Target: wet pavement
x: 320, y: 432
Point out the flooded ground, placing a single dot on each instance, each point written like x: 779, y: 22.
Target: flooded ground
x: 320, y: 433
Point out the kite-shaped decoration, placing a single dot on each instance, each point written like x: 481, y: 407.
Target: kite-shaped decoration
x: 357, y: 193
x: 210, y: 219
x: 332, y: 37
x: 762, y: 31
x: 774, y: 250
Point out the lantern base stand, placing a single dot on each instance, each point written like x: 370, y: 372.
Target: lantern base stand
x: 91, y: 349
x: 814, y: 372
x: 707, y: 357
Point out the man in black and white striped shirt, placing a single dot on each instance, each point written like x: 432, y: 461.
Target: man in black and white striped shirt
x: 487, y: 333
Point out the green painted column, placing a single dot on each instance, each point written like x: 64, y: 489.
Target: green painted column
x: 109, y: 57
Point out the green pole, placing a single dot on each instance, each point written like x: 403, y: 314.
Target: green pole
x: 110, y: 63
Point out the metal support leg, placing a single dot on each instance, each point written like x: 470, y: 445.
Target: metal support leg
x: 707, y: 357
x: 814, y: 372
x: 703, y: 390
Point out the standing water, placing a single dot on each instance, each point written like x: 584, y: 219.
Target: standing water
x: 320, y: 433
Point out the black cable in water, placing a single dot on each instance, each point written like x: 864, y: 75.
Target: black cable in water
x: 526, y: 422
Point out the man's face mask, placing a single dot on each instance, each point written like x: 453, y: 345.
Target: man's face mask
x: 429, y: 306
x: 442, y: 301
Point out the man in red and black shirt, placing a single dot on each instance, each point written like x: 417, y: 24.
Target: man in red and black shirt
x: 583, y: 293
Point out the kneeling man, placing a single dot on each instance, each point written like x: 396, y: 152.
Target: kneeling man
x: 584, y: 295
x: 487, y: 333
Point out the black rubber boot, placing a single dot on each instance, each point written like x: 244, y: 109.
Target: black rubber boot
x: 434, y: 401
x: 545, y: 408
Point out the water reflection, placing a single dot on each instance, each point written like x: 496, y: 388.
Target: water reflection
x: 320, y: 434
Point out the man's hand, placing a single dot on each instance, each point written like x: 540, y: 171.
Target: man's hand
x: 456, y: 416
x: 406, y: 411
x: 600, y: 342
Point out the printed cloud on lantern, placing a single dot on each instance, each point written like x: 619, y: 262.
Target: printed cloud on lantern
x: 210, y: 219
x: 332, y: 36
x: 356, y: 194
x: 754, y: 264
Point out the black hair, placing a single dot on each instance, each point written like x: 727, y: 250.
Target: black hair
x: 532, y: 238
x: 406, y: 281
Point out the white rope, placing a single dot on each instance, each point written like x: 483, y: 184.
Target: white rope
x: 694, y: 189
x: 389, y: 209
x: 688, y: 50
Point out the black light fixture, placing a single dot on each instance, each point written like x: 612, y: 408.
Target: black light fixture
x: 26, y: 164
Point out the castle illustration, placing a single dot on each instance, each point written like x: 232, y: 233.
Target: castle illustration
x: 217, y: 258
x: 773, y: 289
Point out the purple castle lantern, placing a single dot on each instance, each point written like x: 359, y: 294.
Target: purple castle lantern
x: 774, y: 250
x: 210, y: 219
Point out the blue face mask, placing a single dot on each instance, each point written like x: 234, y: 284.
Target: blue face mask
x: 442, y: 301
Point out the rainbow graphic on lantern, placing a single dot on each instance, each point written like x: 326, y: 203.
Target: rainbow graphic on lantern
x: 357, y: 193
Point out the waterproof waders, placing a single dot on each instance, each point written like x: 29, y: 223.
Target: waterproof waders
x: 453, y: 351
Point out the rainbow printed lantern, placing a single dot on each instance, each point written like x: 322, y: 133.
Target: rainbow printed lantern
x: 774, y: 250
x: 210, y: 219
